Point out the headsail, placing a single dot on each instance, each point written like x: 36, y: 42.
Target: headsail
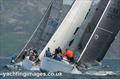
x: 45, y: 29
x: 103, y: 35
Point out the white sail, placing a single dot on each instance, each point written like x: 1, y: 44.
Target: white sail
x: 66, y: 30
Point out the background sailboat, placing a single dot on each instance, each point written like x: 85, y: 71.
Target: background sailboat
x: 103, y: 35
x: 45, y: 29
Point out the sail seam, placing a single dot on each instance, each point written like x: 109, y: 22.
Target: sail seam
x: 105, y: 30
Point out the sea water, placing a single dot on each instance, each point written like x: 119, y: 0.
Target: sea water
x: 110, y: 69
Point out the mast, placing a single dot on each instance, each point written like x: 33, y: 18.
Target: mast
x: 103, y: 35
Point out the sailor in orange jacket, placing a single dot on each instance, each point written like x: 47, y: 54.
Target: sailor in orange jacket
x: 70, y: 55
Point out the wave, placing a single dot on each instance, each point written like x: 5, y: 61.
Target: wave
x: 102, y: 73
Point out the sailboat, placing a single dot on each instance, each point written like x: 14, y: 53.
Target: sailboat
x: 42, y: 34
x: 103, y: 35
x: 63, y: 35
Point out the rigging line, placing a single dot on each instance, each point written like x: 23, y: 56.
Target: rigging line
x: 105, y: 30
x: 94, y: 31
x: 35, y: 29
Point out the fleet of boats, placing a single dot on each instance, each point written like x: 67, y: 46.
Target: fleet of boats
x: 93, y: 44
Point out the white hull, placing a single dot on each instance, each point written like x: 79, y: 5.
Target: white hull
x: 47, y: 64
x: 53, y: 65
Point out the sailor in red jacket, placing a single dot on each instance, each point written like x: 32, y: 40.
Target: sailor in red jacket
x: 70, y: 55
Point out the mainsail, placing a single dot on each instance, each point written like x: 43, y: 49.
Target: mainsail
x: 103, y: 35
x: 66, y: 30
x: 83, y: 34
x: 45, y: 28
x: 92, y: 24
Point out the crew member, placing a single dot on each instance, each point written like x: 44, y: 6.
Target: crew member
x: 58, y: 50
x: 70, y: 55
x: 48, y: 52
